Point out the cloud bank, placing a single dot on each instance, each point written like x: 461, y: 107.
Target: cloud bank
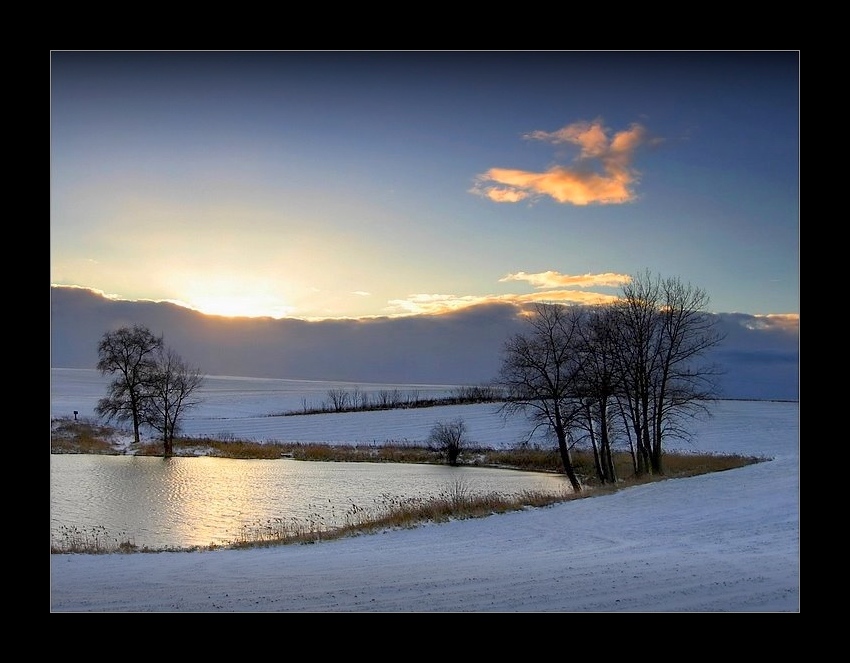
x: 760, y: 355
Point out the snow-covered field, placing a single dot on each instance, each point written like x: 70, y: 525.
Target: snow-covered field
x: 724, y: 542
x: 244, y: 407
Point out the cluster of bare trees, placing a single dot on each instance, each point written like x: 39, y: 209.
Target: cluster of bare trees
x: 152, y: 386
x: 626, y: 372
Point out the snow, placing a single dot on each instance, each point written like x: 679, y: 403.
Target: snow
x: 723, y: 542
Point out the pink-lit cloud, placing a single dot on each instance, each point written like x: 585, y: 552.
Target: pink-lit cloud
x: 601, y: 173
x: 786, y: 321
x: 553, y: 287
x: 434, y: 304
x: 552, y: 279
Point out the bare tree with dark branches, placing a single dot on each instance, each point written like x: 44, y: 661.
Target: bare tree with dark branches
x: 168, y: 394
x: 449, y: 439
x: 598, y: 384
x: 538, y: 376
x: 664, y: 331
x: 129, y: 354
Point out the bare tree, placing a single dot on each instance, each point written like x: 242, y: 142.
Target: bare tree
x: 387, y: 399
x: 129, y: 354
x: 663, y: 333
x: 449, y: 439
x: 340, y: 399
x: 539, y: 377
x: 168, y: 394
x: 598, y: 384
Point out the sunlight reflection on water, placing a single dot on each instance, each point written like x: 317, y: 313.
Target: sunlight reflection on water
x: 183, y: 502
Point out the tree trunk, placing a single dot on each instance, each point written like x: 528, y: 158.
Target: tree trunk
x: 607, y: 460
x: 568, y: 462
x: 597, y: 455
x: 167, y: 441
x: 656, y: 461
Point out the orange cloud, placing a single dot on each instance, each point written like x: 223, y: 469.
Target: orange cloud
x: 506, y: 195
x: 554, y: 288
x: 433, y: 304
x: 552, y: 279
x: 602, y: 174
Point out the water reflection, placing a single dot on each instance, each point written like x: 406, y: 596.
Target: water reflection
x: 183, y: 502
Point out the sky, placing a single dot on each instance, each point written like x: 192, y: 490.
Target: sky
x: 721, y: 542
x: 347, y: 184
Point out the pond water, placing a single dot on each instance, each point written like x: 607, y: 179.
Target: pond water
x: 185, y: 502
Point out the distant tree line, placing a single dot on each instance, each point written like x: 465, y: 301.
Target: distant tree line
x: 357, y: 400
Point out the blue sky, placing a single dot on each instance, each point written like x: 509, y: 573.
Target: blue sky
x: 352, y: 184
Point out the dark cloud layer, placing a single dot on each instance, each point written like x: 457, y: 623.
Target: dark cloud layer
x: 759, y: 361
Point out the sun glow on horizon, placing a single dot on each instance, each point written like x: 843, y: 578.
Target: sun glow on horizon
x: 232, y: 294
x: 237, y: 306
